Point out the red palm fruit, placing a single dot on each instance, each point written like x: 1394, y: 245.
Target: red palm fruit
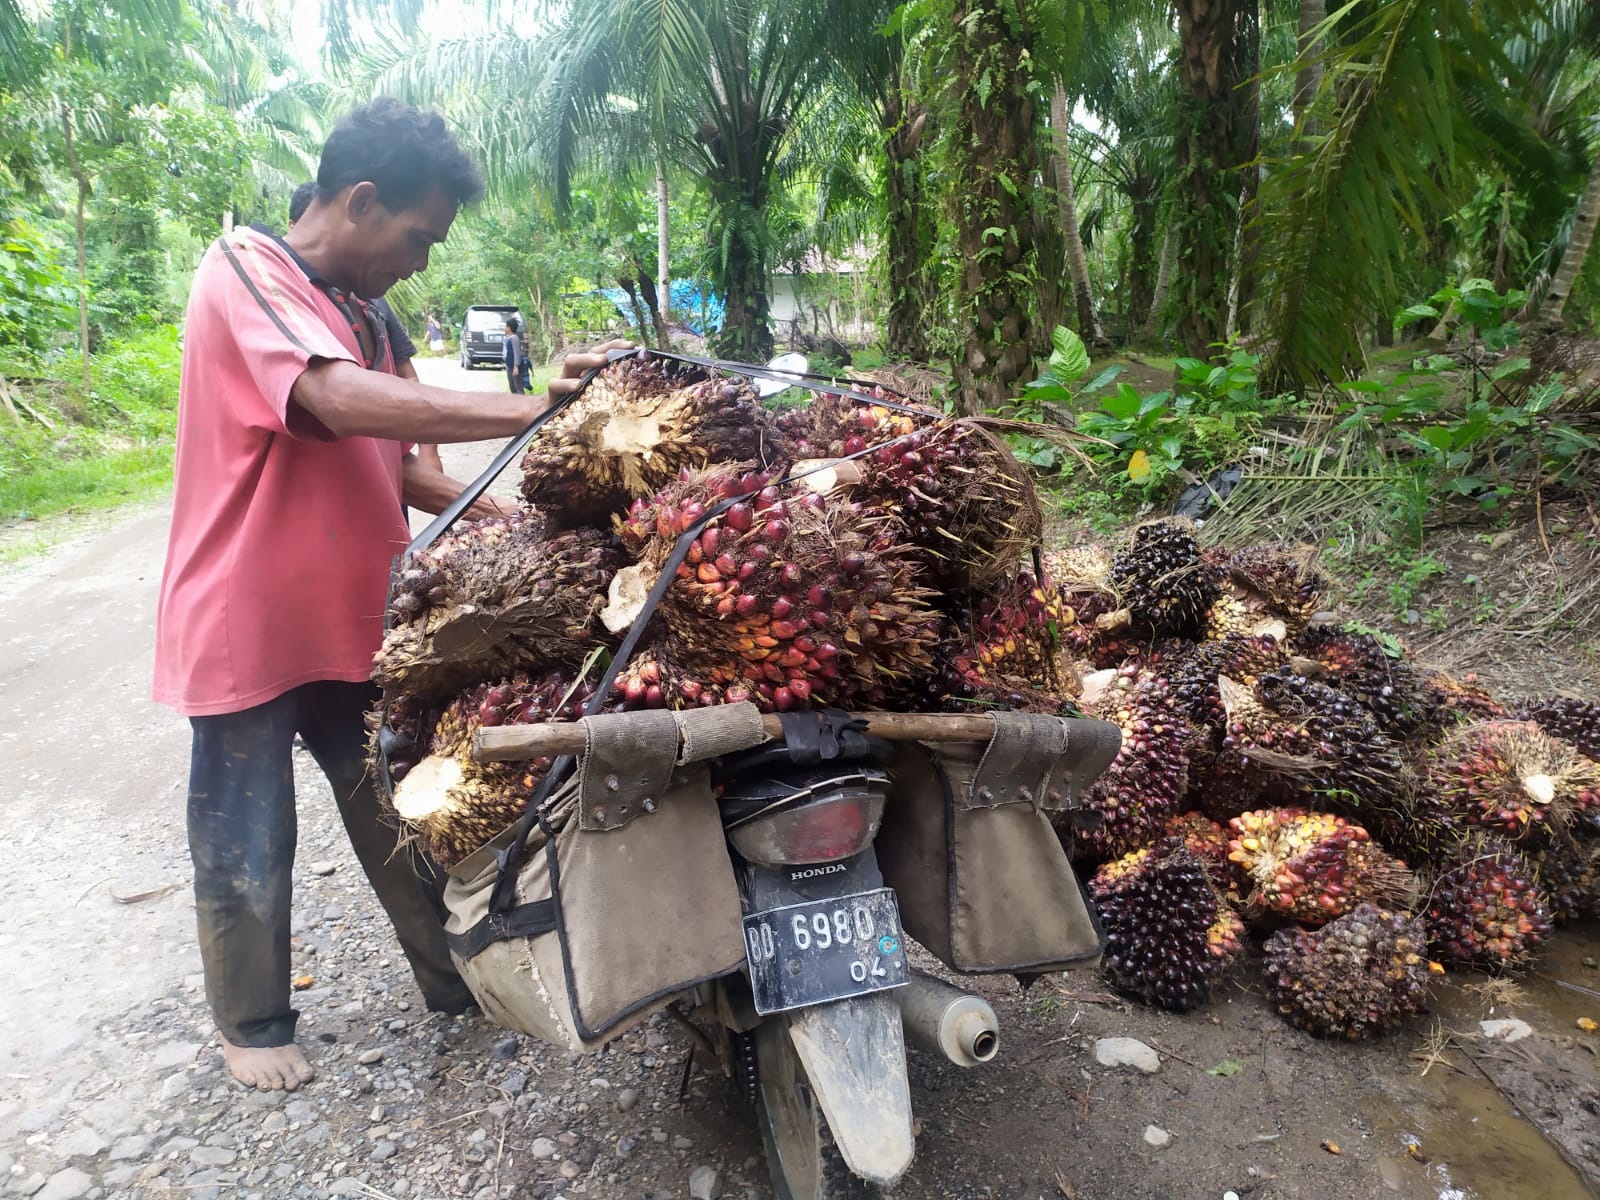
x: 1509, y: 777
x: 1312, y: 866
x: 1484, y: 906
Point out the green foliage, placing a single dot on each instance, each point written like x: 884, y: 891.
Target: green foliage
x: 33, y: 294
x: 101, y: 447
x: 1147, y: 441
x: 1476, y: 304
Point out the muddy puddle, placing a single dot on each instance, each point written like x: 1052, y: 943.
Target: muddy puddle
x: 1491, y: 1120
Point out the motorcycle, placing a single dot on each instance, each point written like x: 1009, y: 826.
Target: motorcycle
x: 814, y: 1029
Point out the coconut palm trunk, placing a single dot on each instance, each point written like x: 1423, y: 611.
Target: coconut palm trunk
x: 1308, y: 79
x: 1155, y: 320
x: 1583, y: 223
x: 663, y: 246
x: 1077, y: 261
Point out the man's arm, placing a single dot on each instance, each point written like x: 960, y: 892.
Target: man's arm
x: 351, y: 401
x: 430, y: 489
x: 426, y: 453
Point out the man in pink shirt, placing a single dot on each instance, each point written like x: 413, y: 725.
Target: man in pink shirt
x: 293, y: 460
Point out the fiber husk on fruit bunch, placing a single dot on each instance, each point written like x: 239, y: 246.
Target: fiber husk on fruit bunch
x: 639, y: 422
x: 493, y: 596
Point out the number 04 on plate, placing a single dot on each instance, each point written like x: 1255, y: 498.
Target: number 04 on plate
x: 822, y: 950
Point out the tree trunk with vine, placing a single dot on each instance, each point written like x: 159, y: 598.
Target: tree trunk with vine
x: 910, y: 236
x: 1216, y: 137
x: 993, y: 161
x: 1308, y: 80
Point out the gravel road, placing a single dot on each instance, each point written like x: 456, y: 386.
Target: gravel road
x: 111, y: 1086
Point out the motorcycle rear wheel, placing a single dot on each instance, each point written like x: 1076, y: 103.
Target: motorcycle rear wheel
x: 805, y: 1163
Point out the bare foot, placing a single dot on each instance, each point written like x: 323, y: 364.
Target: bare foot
x: 269, y: 1068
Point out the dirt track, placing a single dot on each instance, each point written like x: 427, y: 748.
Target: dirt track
x: 109, y: 1084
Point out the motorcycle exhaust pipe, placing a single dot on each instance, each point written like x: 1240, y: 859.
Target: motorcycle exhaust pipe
x: 959, y: 1025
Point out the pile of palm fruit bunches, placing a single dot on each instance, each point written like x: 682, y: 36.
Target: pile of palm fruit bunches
x: 1375, y: 821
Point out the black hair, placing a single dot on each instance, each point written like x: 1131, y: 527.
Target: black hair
x: 511, y: 324
x: 301, y: 200
x: 404, y: 152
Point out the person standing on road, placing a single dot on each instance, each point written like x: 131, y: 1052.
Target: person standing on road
x: 291, y: 469
x: 511, y: 352
x: 435, y: 335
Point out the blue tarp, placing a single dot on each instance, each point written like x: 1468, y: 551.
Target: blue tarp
x: 693, y: 305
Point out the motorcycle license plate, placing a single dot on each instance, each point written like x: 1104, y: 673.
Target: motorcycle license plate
x: 822, y: 950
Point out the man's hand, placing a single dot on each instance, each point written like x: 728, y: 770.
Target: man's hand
x: 574, y: 366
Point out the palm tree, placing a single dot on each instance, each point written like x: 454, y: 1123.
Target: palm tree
x: 1416, y: 97
x: 1077, y: 261
x: 1578, y: 241
x: 991, y: 155
x: 1217, y: 136
x: 714, y: 89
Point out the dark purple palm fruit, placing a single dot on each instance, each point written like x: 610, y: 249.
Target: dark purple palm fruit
x: 1576, y: 722
x: 1162, y: 581
x: 1146, y: 782
x: 1358, y: 977
x: 1158, y: 909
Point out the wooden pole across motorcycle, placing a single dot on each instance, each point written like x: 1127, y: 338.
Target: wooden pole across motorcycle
x: 509, y: 743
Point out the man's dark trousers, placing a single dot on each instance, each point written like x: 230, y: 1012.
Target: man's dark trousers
x: 242, y: 840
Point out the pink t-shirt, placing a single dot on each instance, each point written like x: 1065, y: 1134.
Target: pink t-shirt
x: 282, y: 535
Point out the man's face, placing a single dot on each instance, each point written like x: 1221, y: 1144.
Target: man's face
x: 388, y: 246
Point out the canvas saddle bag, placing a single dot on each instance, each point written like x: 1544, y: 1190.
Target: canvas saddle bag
x: 615, y: 896
x: 967, y: 844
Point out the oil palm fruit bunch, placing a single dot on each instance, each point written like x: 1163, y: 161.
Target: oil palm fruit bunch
x: 1507, y: 777
x: 1145, y: 783
x: 1241, y: 658
x: 436, y: 575
x: 1010, y: 632
x: 409, y: 720
x: 834, y: 426
x: 454, y: 804
x: 1203, y: 838
x: 635, y: 426
x: 1347, y: 755
x: 499, y: 595
x: 803, y: 596
x: 1158, y: 909
x: 1447, y: 701
x: 1576, y: 722
x: 1313, y: 866
x: 1162, y: 581
x: 1484, y: 906
x: 1266, y: 582
x: 1359, y: 665
x: 950, y: 689
x: 1568, y: 871
x: 967, y: 504
x: 1358, y: 977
